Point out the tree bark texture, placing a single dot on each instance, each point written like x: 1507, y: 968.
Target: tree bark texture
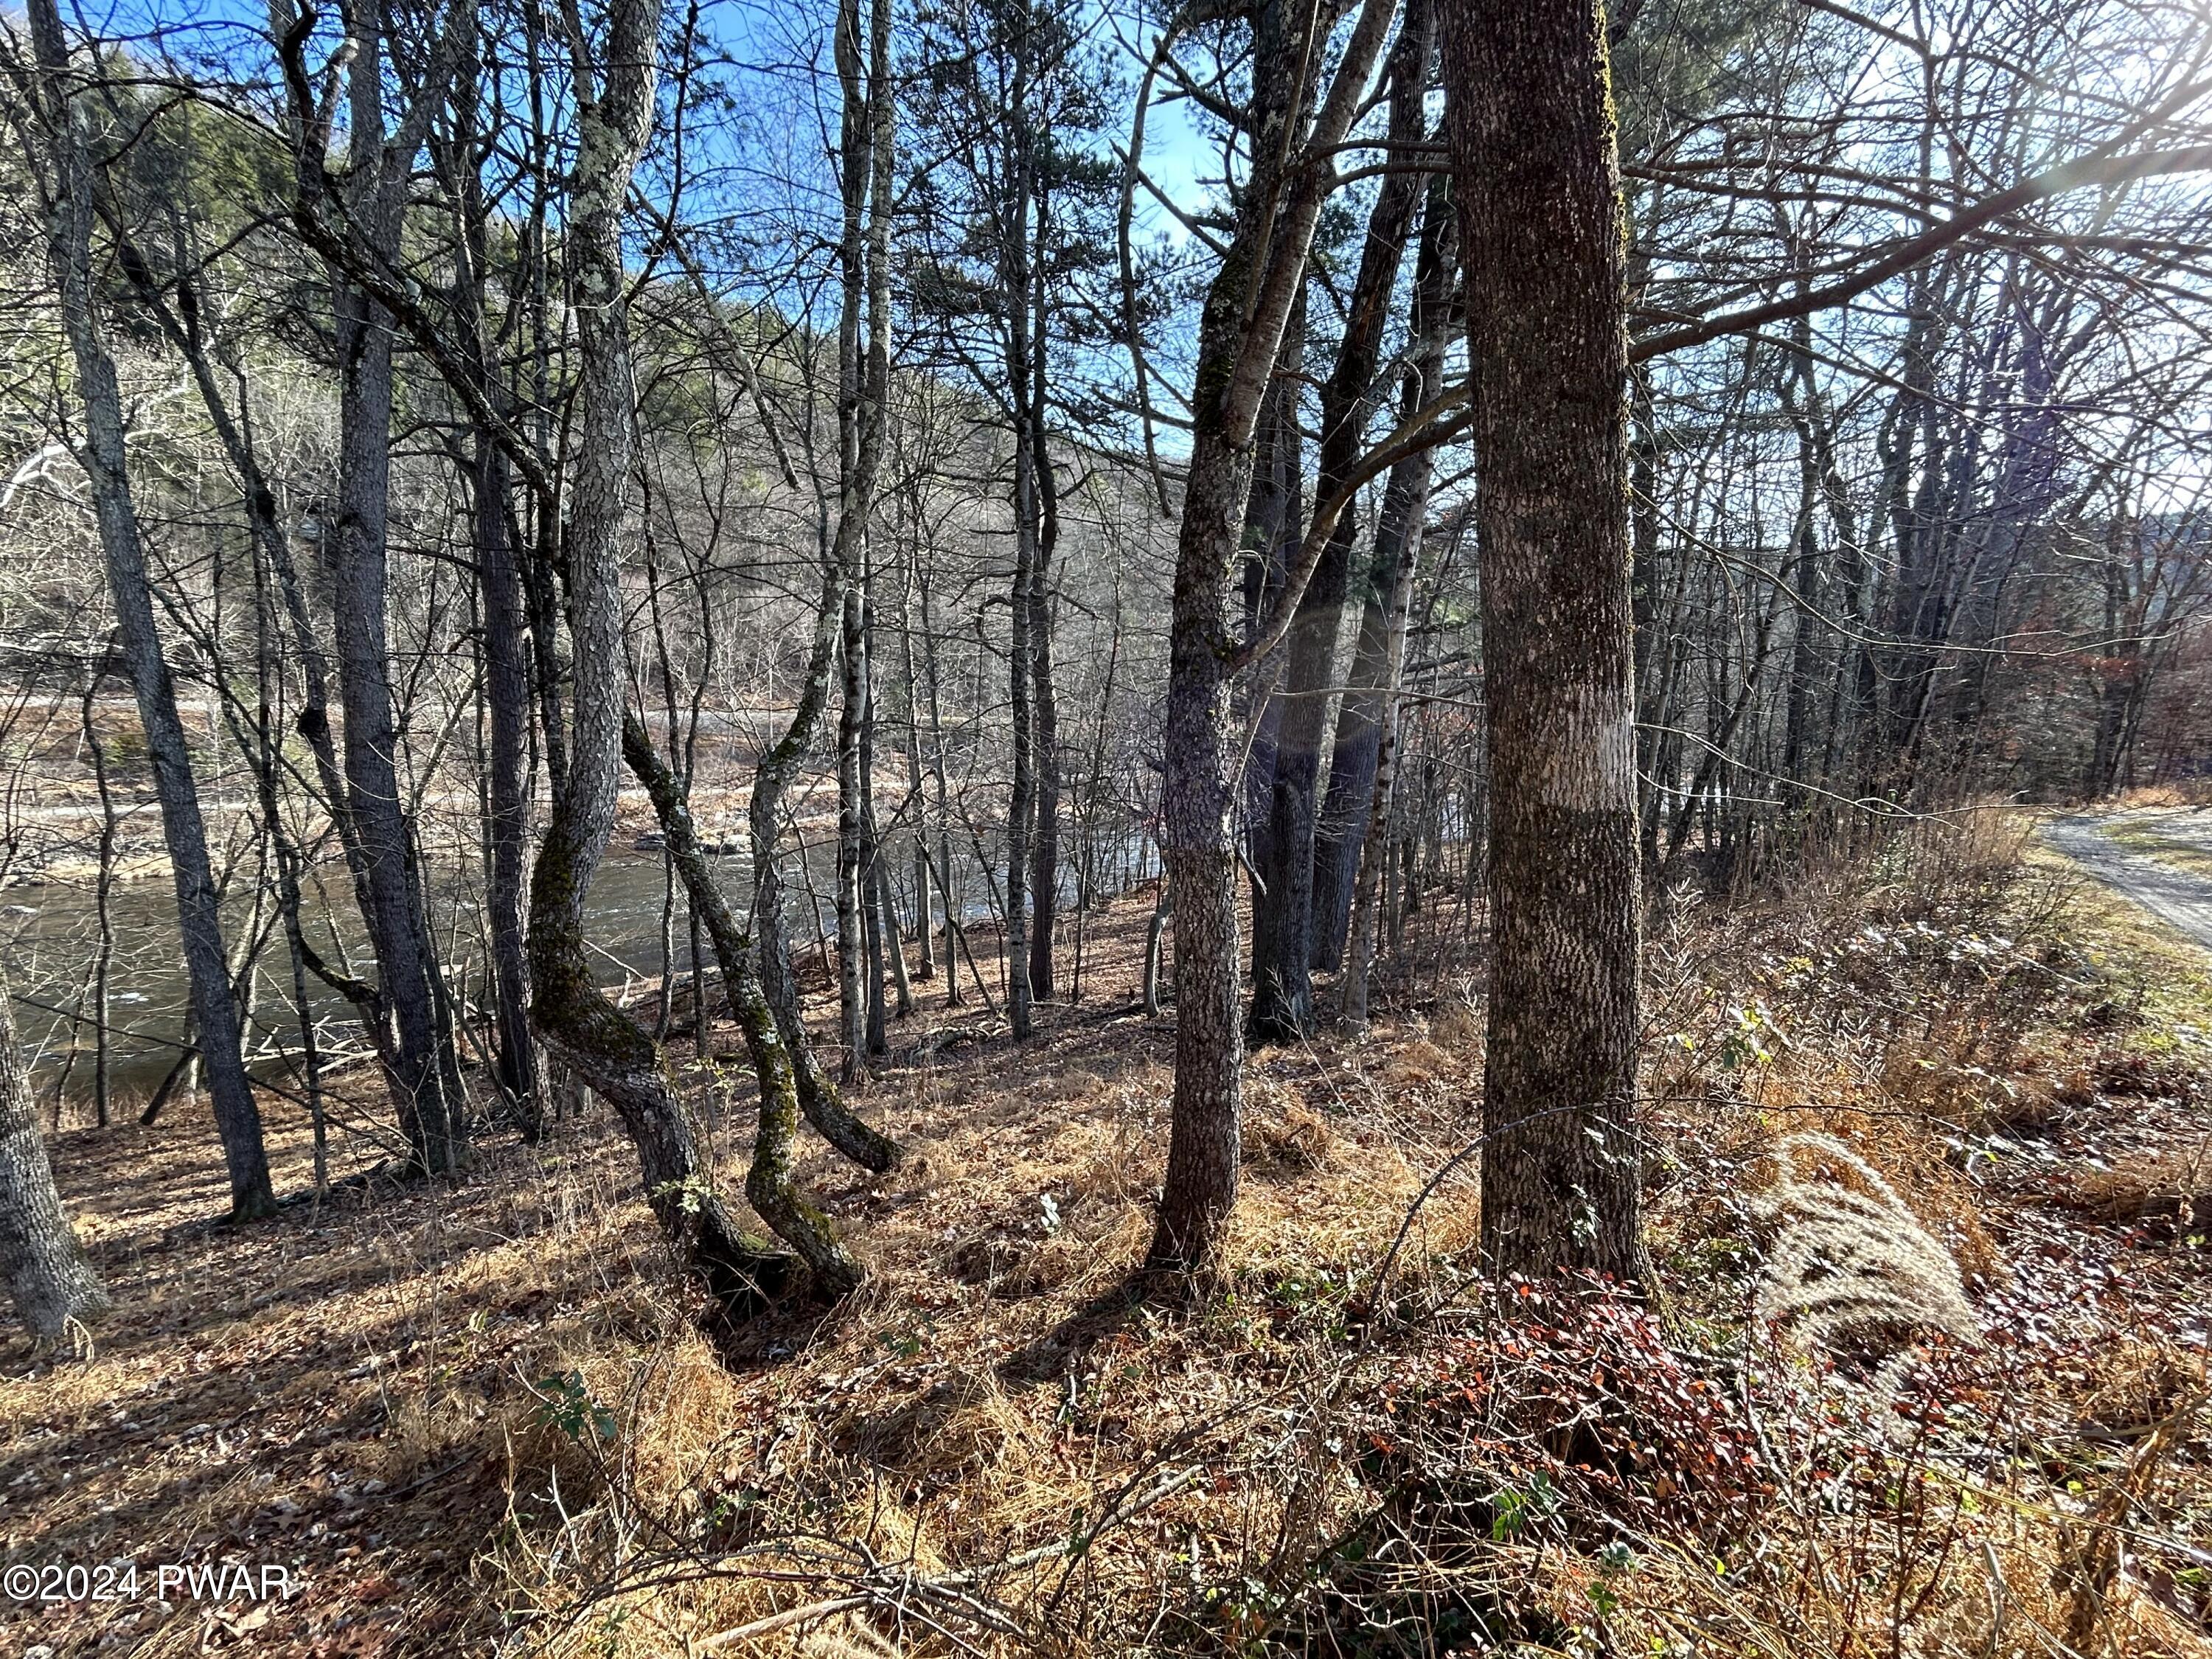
x: 1537, y: 174
x: 1371, y: 686
x: 1240, y: 335
x: 770, y: 1187
x: 358, y: 555
x: 48, y: 1275
x: 582, y: 1027
x: 507, y: 697
x: 863, y: 384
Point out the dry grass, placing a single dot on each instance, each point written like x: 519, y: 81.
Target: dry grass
x: 486, y: 1418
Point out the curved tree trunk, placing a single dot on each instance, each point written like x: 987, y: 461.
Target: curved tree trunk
x: 582, y: 1027
x: 864, y: 385
x: 1533, y: 145
x: 769, y: 1185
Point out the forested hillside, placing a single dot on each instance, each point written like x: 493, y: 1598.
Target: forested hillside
x: 1014, y: 826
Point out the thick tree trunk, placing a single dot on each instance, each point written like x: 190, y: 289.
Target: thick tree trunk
x: 1284, y: 950
x: 48, y: 1275
x: 1533, y: 145
x: 214, y: 1004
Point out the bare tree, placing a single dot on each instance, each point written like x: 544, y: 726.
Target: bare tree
x: 61, y: 99
x: 615, y: 107
x: 1294, y: 128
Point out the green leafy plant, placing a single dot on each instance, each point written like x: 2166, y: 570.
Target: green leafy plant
x: 567, y: 1405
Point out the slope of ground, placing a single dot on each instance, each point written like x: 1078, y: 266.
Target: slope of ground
x: 483, y: 1417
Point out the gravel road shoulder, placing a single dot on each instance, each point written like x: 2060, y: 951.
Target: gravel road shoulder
x: 2177, y: 898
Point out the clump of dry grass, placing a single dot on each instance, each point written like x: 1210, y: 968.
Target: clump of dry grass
x: 2173, y: 1184
x: 1852, y: 1269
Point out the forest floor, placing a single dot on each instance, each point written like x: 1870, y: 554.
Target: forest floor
x: 483, y: 1417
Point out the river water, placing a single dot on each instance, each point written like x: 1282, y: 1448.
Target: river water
x: 50, y: 936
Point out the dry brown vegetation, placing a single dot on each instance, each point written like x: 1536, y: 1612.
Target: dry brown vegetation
x: 485, y: 1416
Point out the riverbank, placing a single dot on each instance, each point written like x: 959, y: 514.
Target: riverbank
x: 484, y: 1415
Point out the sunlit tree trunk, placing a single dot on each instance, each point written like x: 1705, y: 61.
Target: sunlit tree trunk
x: 1283, y: 951
x: 356, y: 541
x: 1533, y: 144
x: 580, y: 1025
x: 1240, y: 335
x: 1370, y: 695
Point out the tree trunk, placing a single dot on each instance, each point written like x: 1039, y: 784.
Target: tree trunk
x: 1021, y: 671
x: 769, y: 1185
x: 48, y: 1275
x: 1283, y: 952
x: 1533, y: 146
x: 506, y: 695
x: 214, y: 1005
x: 581, y: 1027
x: 863, y: 386
x: 852, y: 839
x: 104, y: 911
x: 1240, y: 336
x: 1370, y: 690
x: 917, y: 806
x: 1373, y: 715
x: 398, y: 932
x: 506, y: 671
x: 1044, y: 701
x: 1274, y: 521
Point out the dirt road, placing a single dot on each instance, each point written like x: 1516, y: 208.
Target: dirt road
x: 2179, y: 897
